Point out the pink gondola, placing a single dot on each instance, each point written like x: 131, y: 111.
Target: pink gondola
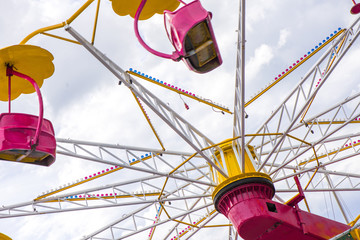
x: 356, y: 8
x: 190, y: 32
x: 26, y: 138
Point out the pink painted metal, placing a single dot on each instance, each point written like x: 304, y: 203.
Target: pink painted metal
x: 27, y: 138
x: 175, y: 56
x: 356, y: 8
x: 255, y: 216
x: 190, y: 31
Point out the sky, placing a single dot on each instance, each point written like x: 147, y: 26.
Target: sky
x: 84, y: 101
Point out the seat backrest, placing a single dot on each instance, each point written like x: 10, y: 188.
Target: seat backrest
x: 22, y: 120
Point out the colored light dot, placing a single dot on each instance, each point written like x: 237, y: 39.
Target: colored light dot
x: 194, y: 94
x: 157, y: 80
x: 172, y: 86
x: 309, y: 52
x: 287, y: 70
x: 294, y: 64
x: 327, y: 38
x: 102, y: 195
x: 335, y: 31
x: 324, y: 41
x: 305, y: 55
x: 169, y: 84
x: 331, y: 35
x: 297, y: 61
x: 135, y: 71
x: 312, y: 50
x: 346, y: 145
x: 142, y: 156
x: 85, y: 177
x: 161, y: 81
x: 279, y: 75
x: 316, y: 47
x: 130, y: 69
x: 90, y: 176
x: 175, y: 87
x: 98, y: 172
x: 283, y: 73
x: 301, y: 58
x: 107, y: 169
x: 146, y: 155
x: 339, y: 29
x: 97, y: 195
x: 111, y: 168
x: 164, y: 83
x: 276, y: 78
x: 290, y: 67
x: 143, y: 74
x: 320, y: 44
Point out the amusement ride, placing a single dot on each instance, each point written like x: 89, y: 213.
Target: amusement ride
x: 256, y: 184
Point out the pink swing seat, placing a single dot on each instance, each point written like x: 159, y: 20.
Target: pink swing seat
x: 16, y: 133
x: 190, y: 31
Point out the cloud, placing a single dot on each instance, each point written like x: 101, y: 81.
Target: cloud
x: 262, y: 56
x: 284, y: 34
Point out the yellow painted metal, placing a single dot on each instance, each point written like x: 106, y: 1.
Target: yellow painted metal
x: 60, y: 25
x: 328, y: 154
x: 156, y: 221
x: 230, y: 160
x: 333, y: 122
x: 332, y: 61
x: 126, y: 7
x: 90, y: 179
x: 103, y: 197
x: 33, y: 61
x: 292, y: 69
x: 239, y: 177
x: 356, y: 232
x: 95, y: 23
x: 4, y: 237
x: 61, y: 38
x: 180, y: 92
x: 149, y: 122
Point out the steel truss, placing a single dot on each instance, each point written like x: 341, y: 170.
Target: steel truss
x: 175, y: 187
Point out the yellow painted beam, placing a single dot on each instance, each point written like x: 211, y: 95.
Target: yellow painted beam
x: 293, y: 68
x: 180, y: 92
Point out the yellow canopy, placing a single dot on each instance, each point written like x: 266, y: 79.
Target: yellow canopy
x: 4, y: 237
x: 30, y: 60
x: 129, y: 7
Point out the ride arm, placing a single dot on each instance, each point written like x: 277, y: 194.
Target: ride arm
x: 283, y: 120
x: 184, y: 129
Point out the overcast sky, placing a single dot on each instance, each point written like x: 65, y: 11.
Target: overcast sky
x: 85, y: 102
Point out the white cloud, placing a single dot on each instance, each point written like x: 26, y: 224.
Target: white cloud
x: 84, y: 101
x: 284, y: 34
x: 262, y: 56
